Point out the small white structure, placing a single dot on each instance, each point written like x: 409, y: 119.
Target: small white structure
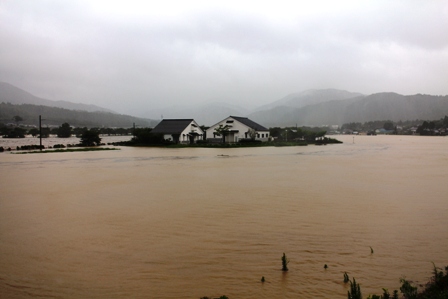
x: 238, y: 128
x: 179, y: 130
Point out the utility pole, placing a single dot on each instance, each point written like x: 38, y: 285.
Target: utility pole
x: 40, y: 132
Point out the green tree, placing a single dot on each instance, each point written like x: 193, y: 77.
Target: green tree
x: 34, y: 132
x: 388, y: 125
x: 144, y: 136
x: 275, y: 132
x: 14, y: 133
x: 45, y: 132
x: 17, y: 119
x: 64, y: 131
x: 4, y: 131
x: 90, y: 138
x: 78, y: 131
x: 222, y: 131
x: 445, y: 121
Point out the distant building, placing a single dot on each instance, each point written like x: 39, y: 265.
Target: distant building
x: 179, y: 130
x: 238, y: 128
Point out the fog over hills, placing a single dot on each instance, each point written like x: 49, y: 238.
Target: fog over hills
x: 310, y: 108
x: 15, y: 101
x: 379, y: 106
x: 14, y: 95
x: 310, y: 97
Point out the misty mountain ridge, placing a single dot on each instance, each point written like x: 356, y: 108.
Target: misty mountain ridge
x: 315, y: 107
x: 15, y: 101
x: 310, y: 97
x: 14, y: 95
x: 379, y: 106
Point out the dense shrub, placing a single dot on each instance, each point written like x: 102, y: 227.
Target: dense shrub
x: 29, y: 147
x: 252, y: 141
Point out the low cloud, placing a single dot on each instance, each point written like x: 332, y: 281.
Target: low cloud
x: 130, y: 60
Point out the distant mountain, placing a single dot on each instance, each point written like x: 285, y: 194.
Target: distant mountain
x: 15, y: 101
x: 310, y: 97
x: 312, y: 107
x: 14, y: 95
x: 380, y: 106
x: 206, y: 114
x: 53, y: 116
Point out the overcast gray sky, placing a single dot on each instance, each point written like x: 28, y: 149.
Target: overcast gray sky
x: 130, y: 56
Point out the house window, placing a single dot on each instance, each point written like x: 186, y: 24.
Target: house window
x: 258, y: 135
x: 262, y: 135
x: 229, y: 122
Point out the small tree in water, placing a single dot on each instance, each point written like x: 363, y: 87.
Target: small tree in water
x: 355, y: 290
x: 285, y: 262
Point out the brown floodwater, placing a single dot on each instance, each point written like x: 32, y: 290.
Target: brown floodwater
x: 193, y: 222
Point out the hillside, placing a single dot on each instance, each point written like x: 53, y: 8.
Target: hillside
x: 310, y: 97
x: 56, y: 116
x: 14, y: 95
x: 380, y: 106
x: 312, y: 107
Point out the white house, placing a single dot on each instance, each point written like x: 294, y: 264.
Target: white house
x: 179, y: 130
x: 238, y: 128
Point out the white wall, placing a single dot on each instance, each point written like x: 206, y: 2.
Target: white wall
x: 240, y: 127
x: 183, y: 138
x: 192, y: 127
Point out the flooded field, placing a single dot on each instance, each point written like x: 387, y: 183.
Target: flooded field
x: 193, y: 222
x: 51, y: 141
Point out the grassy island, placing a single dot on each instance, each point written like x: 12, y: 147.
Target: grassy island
x: 244, y: 144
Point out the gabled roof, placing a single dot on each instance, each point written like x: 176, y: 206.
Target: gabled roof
x: 251, y: 124
x: 172, y: 126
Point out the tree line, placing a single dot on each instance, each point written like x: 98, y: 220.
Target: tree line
x: 286, y: 134
x: 421, y: 127
x: 63, y: 131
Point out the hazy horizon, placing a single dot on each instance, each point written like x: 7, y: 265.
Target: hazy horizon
x: 139, y: 56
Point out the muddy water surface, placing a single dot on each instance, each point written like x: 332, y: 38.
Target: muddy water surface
x: 187, y: 223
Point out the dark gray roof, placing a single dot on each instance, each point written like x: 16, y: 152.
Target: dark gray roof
x: 171, y: 126
x: 251, y: 124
